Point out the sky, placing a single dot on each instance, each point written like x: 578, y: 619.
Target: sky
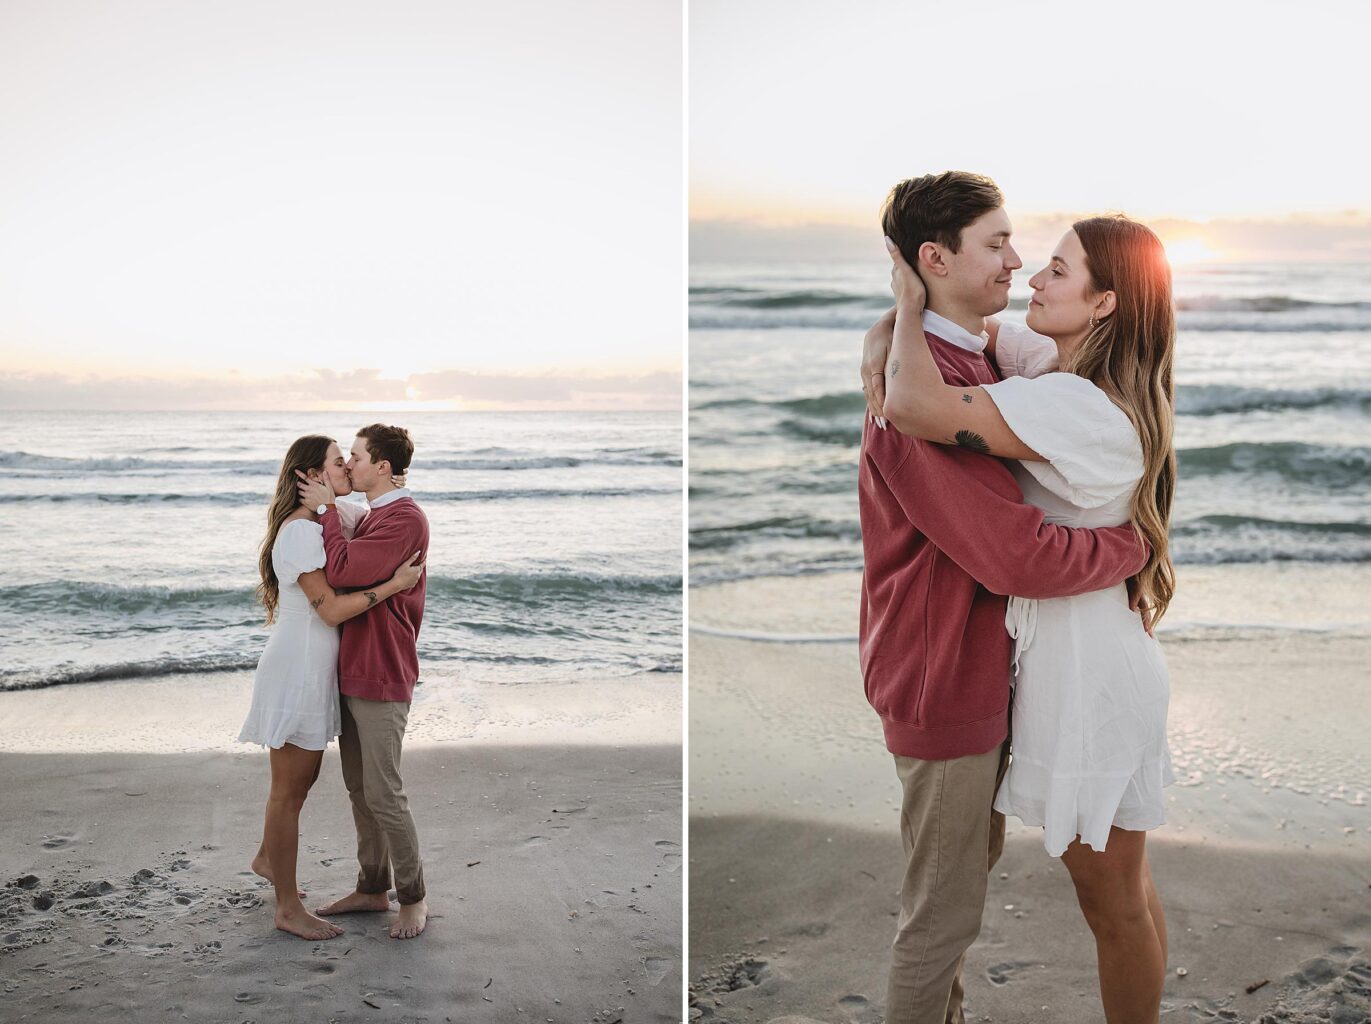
x: 1235, y: 123
x: 416, y: 204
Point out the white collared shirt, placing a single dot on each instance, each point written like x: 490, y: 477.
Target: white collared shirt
x: 954, y: 334
x: 386, y: 499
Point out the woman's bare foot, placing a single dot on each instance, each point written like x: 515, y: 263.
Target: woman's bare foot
x: 357, y: 903
x: 411, y: 921
x: 261, y: 866
x: 298, y: 921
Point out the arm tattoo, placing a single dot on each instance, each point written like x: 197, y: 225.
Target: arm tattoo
x: 974, y: 441
x: 894, y: 367
x: 966, y: 399
x: 317, y: 602
x: 371, y: 597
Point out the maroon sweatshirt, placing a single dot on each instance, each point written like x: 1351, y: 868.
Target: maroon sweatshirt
x: 946, y: 538
x: 377, y: 656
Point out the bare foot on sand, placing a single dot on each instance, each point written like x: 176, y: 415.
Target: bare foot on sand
x: 261, y: 866
x: 357, y: 903
x: 299, y: 921
x: 411, y: 921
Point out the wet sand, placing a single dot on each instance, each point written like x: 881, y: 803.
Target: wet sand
x: 553, y: 865
x: 1264, y: 868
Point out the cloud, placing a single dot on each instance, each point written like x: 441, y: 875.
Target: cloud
x: 329, y: 389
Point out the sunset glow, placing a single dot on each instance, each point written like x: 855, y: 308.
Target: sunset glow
x: 1002, y: 89
x: 1187, y: 251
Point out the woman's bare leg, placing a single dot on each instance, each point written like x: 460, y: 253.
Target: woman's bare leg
x: 1113, y: 893
x: 293, y: 771
x: 1154, y: 905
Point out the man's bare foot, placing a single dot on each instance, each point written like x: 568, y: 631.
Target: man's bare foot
x: 411, y: 921
x: 261, y: 866
x: 298, y: 921
x: 357, y: 903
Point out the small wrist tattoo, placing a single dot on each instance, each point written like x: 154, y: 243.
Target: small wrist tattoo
x: 371, y: 597
x: 966, y: 399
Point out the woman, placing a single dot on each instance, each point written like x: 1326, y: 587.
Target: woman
x: 295, y: 707
x: 1093, y: 447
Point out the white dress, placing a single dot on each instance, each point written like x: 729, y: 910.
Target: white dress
x: 1088, y: 729
x: 295, y: 690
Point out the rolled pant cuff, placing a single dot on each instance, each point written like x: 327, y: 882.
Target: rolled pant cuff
x: 371, y: 881
x: 413, y: 892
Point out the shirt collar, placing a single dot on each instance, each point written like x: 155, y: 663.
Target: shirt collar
x: 954, y: 334
x: 395, y: 495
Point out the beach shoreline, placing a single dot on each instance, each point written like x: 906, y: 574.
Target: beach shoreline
x: 550, y: 825
x: 1264, y: 866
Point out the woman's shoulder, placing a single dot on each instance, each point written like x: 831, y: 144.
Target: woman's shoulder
x: 299, y: 527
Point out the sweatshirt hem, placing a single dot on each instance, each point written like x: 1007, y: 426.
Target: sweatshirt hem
x: 375, y: 689
x: 943, y: 743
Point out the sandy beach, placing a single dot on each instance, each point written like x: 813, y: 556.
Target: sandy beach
x: 550, y: 817
x: 1264, y: 867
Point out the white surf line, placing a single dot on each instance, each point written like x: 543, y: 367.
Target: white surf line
x: 774, y: 638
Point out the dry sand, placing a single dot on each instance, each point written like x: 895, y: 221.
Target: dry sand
x: 551, y: 845
x: 1264, y: 868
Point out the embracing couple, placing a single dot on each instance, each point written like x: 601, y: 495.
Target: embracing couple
x: 324, y: 564
x: 1015, y: 492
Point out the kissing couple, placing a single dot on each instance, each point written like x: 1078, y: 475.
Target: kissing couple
x: 326, y: 564
x: 1015, y: 493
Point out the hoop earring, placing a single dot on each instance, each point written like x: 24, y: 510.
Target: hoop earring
x: 1092, y: 321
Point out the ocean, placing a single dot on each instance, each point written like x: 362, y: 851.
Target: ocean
x: 1273, y: 424
x: 130, y: 541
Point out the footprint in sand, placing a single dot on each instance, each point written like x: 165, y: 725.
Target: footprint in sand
x: 859, y: 1009
x: 536, y: 840
x: 1003, y: 974
x: 656, y: 968
x: 57, y: 842
x: 671, y: 853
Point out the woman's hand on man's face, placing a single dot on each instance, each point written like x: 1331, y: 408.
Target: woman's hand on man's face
x: 314, y: 491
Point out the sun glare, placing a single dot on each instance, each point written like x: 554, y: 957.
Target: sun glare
x: 1184, y: 252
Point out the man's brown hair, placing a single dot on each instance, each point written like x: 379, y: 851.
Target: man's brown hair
x: 388, y: 444
x: 935, y: 208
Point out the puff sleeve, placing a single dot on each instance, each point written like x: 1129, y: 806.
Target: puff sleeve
x: 299, y: 549
x: 1093, y: 452
x: 1020, y: 352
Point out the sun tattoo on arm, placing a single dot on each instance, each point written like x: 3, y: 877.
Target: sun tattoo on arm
x: 370, y: 595
x: 894, y: 367
x: 317, y: 602
x: 972, y: 440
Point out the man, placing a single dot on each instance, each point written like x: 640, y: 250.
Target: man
x: 378, y: 665
x: 946, y: 538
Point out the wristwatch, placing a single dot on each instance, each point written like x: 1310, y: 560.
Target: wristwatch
x: 321, y: 510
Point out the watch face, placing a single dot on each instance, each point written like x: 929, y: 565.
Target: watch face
x: 321, y: 510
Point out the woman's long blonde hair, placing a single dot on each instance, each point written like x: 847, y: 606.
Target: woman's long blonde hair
x: 1129, y: 356
x: 308, y: 452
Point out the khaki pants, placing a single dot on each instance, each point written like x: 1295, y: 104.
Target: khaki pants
x: 373, y: 731
x: 952, y: 839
